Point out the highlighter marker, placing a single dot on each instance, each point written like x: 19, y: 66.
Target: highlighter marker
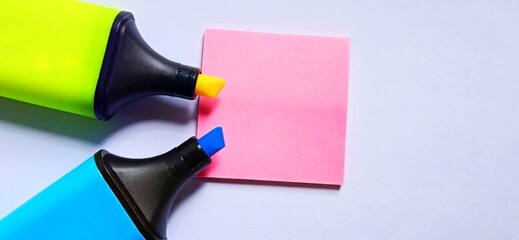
x: 111, y: 197
x: 86, y: 59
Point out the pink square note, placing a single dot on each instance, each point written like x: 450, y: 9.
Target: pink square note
x: 283, y: 110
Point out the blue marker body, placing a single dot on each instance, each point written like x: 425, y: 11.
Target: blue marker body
x: 80, y: 205
x: 111, y: 197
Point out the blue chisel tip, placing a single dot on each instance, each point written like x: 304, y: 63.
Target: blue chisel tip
x: 213, y: 141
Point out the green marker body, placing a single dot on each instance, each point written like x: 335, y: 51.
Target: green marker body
x: 66, y: 55
x: 52, y: 52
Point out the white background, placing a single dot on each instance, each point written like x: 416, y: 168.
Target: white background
x: 432, y: 139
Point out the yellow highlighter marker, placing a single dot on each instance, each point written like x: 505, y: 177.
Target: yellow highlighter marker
x: 86, y: 59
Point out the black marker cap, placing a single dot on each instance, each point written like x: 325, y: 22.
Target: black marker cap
x: 132, y: 69
x: 148, y: 187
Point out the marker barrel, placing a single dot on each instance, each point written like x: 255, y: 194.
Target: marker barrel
x: 109, y: 197
x: 82, y: 58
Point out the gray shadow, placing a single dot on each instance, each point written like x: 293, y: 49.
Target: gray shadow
x: 272, y: 183
x: 93, y: 130
x: 186, y: 192
x: 195, y: 184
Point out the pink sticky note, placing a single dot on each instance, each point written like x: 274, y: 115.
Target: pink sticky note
x: 283, y: 110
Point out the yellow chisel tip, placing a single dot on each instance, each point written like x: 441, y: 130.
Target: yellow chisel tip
x: 208, y: 86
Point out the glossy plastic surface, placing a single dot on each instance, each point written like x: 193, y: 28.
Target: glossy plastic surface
x: 80, y: 205
x: 52, y: 52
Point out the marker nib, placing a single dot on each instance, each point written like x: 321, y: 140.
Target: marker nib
x: 213, y: 141
x: 208, y: 86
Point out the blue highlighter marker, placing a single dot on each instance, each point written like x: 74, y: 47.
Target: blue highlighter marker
x: 111, y: 197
